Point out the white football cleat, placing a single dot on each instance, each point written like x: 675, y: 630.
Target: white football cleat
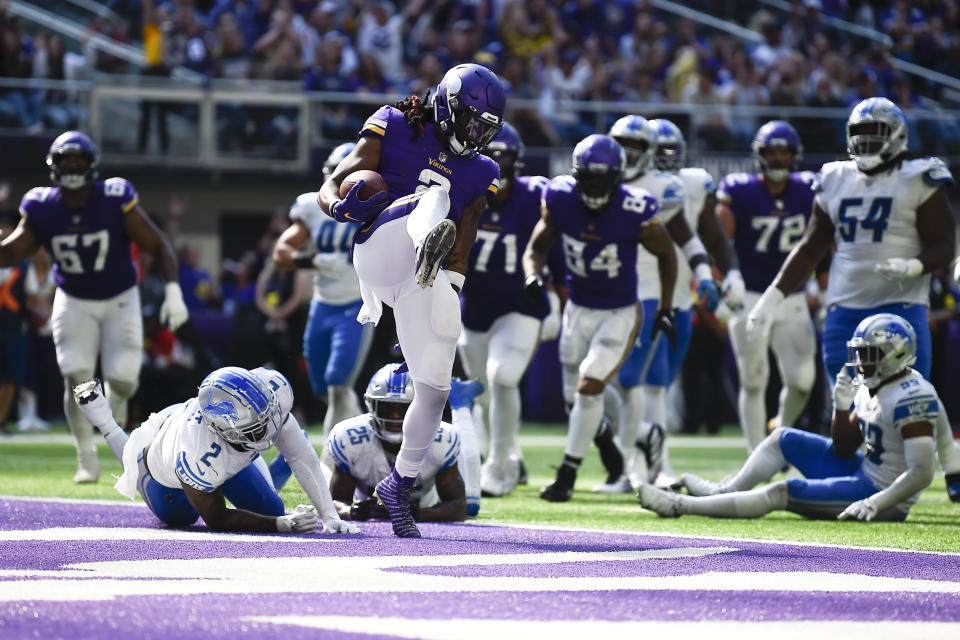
x: 88, y: 466
x: 697, y: 486
x: 620, y: 485
x: 433, y: 250
x: 497, y: 480
x: 664, y: 503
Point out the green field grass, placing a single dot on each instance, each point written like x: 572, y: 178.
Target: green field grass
x: 30, y: 467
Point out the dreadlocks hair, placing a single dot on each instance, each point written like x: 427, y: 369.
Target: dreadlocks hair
x: 414, y: 109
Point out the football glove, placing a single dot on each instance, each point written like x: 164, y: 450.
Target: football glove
x: 759, y: 318
x: 734, y: 289
x: 666, y: 323
x: 708, y: 292
x: 899, y: 268
x: 302, y: 520
x: 533, y: 287
x: 843, y: 391
x: 173, y: 311
x: 550, y: 328
x: 334, y: 524
x: 859, y: 510
x: 353, y: 209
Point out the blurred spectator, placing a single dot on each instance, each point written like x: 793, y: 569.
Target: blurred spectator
x: 238, y: 282
x: 230, y: 53
x: 712, y: 128
x: 381, y: 35
x: 703, y: 375
x: 155, y: 52
x: 745, y: 90
x: 282, y: 297
x: 199, y: 290
x: 644, y: 45
x: 527, y: 27
x: 566, y: 77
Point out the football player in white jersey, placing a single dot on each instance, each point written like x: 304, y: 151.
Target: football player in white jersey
x: 334, y: 344
x: 895, y: 413
x: 188, y: 458
x: 644, y: 376
x: 365, y: 447
x: 892, y: 224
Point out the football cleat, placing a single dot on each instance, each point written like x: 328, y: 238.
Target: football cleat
x: 498, y: 480
x: 433, y: 250
x: 393, y: 492
x: 652, y: 448
x: 88, y: 466
x: 619, y: 485
x: 663, y: 503
x: 522, y: 478
x: 697, y: 486
x: 610, y: 454
x: 953, y: 486
x: 562, y: 488
x: 463, y: 393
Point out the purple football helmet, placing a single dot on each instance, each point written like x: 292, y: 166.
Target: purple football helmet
x: 339, y: 153
x: 73, y: 143
x: 776, y: 133
x: 598, y: 165
x: 468, y: 108
x: 507, y: 150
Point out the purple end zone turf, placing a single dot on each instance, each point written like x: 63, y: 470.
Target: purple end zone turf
x: 60, y: 579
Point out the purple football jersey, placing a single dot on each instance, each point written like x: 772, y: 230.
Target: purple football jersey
x: 410, y: 164
x: 768, y: 226
x: 89, y: 244
x: 600, y: 250
x: 494, y: 285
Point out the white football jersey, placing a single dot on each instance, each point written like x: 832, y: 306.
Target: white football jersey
x: 337, y: 283
x: 895, y: 405
x: 697, y: 185
x: 668, y: 190
x: 357, y: 450
x: 875, y: 218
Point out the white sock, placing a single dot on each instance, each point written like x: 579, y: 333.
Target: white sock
x: 761, y: 465
x: 341, y: 402
x: 469, y: 460
x: 630, y: 417
x: 793, y: 400
x: 753, y: 415
x: 741, y: 504
x: 585, y: 419
x: 420, y: 428
x: 504, y: 420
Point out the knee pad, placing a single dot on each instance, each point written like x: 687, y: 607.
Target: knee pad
x: 505, y: 374
x: 122, y: 388
x: 801, y: 376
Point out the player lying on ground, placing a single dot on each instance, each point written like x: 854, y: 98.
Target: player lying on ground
x: 365, y: 447
x: 895, y: 412
x: 185, y: 459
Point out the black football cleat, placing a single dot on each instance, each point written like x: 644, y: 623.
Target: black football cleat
x: 562, y: 488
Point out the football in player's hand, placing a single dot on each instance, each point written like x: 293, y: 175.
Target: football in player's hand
x: 373, y: 183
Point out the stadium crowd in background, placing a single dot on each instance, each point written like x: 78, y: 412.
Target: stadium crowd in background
x: 620, y: 51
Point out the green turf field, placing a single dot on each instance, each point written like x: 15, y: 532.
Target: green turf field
x: 33, y: 466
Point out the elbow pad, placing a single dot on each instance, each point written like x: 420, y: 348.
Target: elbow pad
x: 694, y: 249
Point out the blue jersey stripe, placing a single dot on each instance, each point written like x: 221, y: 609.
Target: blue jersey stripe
x: 184, y: 471
x: 917, y: 409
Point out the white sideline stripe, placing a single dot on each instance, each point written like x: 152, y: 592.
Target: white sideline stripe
x: 483, y: 629
x: 97, y: 534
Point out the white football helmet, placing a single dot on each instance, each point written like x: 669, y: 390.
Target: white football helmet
x: 388, y: 396
x: 639, y: 139
x: 242, y: 409
x: 280, y: 386
x: 671, y: 150
x: 876, y: 133
x: 884, y: 343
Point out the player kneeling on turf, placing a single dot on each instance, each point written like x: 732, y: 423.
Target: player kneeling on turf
x: 895, y: 412
x: 364, y: 449
x: 186, y: 459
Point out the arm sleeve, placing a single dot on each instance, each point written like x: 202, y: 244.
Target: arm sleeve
x: 918, y: 453
x: 305, y: 463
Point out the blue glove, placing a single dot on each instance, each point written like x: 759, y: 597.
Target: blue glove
x: 708, y: 292
x: 463, y: 392
x: 353, y: 209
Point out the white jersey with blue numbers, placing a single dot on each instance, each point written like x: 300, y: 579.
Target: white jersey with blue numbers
x: 668, y: 191
x: 356, y: 450
x: 875, y: 218
x: 337, y: 283
x: 895, y: 405
x: 698, y: 184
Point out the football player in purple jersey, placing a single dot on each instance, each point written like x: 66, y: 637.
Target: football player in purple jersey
x: 428, y: 153
x: 501, y: 325
x: 87, y: 225
x: 766, y: 214
x: 600, y: 222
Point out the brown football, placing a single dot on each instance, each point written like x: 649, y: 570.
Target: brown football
x: 373, y: 182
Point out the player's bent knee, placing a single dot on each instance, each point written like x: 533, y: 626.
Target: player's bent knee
x: 122, y: 388
x: 445, y: 314
x: 504, y: 375
x: 76, y: 377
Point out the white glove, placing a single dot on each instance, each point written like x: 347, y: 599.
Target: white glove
x: 550, y: 328
x: 302, y: 520
x: 899, y: 268
x: 843, y: 391
x: 859, y: 510
x: 93, y: 404
x: 335, y: 525
x: 328, y: 265
x: 173, y: 311
x: 733, y: 289
x: 758, y: 320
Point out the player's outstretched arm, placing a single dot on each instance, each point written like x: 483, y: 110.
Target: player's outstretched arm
x: 456, y: 260
x: 19, y: 245
x: 287, y: 248
x: 342, y: 487
x: 453, y: 498
x: 657, y: 241
x: 936, y: 228
x: 844, y: 427
x: 536, y: 253
x: 366, y: 155
x: 714, y: 239
x: 212, y: 507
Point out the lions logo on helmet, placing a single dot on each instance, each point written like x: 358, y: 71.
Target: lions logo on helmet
x: 339, y: 153
x: 671, y: 150
x: 73, y: 143
x: 598, y: 165
x: 388, y: 396
x: 468, y: 108
x: 876, y: 133
x: 883, y: 345
x: 241, y: 408
x: 639, y: 140
x: 773, y: 134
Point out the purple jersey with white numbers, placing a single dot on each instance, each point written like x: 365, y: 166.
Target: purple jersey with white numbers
x: 89, y: 244
x: 767, y: 226
x: 412, y: 163
x: 600, y: 250
x: 494, y: 285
